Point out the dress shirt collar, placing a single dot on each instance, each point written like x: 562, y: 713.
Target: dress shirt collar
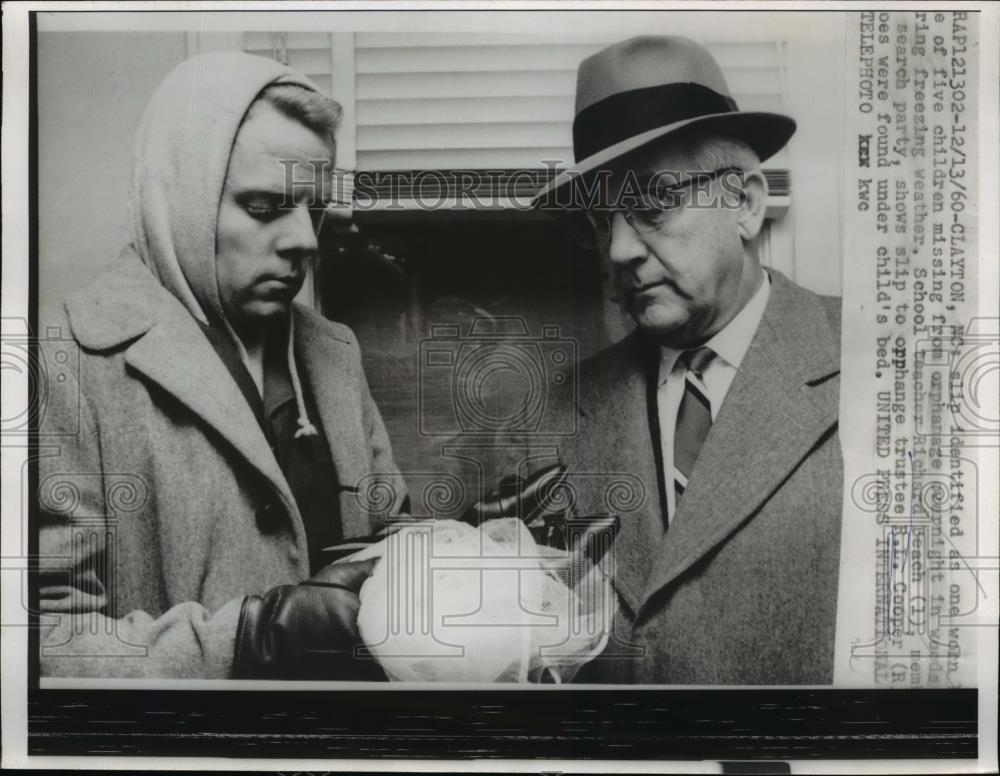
x: 732, y: 342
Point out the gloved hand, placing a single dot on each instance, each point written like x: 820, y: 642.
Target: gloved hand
x: 306, y: 631
x: 545, y: 511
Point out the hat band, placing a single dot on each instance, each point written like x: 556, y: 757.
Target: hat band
x: 630, y: 113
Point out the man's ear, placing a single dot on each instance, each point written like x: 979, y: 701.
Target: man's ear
x: 753, y: 205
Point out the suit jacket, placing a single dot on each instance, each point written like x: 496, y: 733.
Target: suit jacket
x: 741, y: 589
x: 162, y: 505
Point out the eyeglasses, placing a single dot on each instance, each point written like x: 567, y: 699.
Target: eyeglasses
x: 592, y: 228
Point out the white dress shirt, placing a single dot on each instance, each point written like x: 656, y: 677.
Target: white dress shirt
x: 730, y: 346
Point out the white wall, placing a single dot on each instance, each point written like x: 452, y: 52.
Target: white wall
x: 815, y: 101
x: 92, y: 89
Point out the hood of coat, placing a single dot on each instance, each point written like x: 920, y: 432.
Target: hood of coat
x: 182, y: 152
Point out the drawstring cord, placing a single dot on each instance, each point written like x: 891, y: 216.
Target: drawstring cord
x: 305, y: 427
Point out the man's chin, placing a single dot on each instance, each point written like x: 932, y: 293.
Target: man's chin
x: 269, y: 311
x: 663, y: 326
x: 261, y: 317
x: 677, y: 333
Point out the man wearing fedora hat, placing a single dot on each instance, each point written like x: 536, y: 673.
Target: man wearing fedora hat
x: 723, y: 401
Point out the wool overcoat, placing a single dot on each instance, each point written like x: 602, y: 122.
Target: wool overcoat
x: 161, y: 503
x: 740, y: 587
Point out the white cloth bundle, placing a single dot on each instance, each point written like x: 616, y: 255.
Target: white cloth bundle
x: 454, y: 603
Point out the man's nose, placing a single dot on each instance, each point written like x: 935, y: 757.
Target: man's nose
x: 626, y: 245
x: 298, y: 239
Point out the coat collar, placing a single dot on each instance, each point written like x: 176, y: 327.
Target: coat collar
x: 780, y: 403
x: 120, y: 306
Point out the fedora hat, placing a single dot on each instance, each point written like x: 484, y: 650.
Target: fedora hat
x: 646, y: 88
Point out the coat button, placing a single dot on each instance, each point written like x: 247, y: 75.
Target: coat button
x: 268, y: 515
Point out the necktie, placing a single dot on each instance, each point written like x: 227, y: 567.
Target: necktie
x: 694, y: 418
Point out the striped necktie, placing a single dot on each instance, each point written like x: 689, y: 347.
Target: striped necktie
x: 694, y: 418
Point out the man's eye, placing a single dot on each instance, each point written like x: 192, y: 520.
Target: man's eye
x: 261, y: 208
x: 666, y: 199
x: 650, y: 217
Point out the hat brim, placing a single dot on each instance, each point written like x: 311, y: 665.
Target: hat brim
x: 765, y: 133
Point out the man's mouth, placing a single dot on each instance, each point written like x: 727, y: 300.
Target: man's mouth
x: 638, y: 289
x: 280, y: 285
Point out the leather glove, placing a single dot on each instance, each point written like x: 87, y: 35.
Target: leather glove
x: 531, y: 499
x: 306, y: 631
x: 537, y: 500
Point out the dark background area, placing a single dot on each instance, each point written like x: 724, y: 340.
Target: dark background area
x: 400, y: 275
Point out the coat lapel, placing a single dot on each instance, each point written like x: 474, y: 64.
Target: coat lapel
x: 171, y: 351
x: 328, y: 363
x: 778, y: 406
x: 175, y: 355
x: 616, y: 404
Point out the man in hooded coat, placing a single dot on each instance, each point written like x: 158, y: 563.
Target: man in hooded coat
x: 217, y: 436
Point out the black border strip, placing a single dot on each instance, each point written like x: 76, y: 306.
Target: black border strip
x: 778, y: 724
x: 33, y: 355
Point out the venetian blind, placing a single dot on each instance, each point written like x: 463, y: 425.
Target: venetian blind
x: 461, y: 101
